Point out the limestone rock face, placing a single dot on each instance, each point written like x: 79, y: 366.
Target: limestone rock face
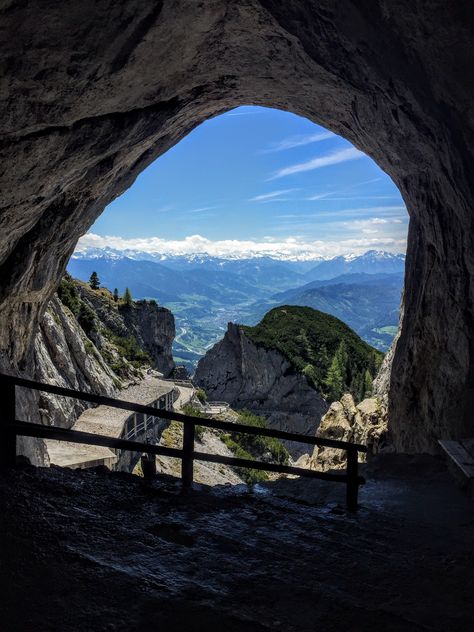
x: 245, y: 375
x: 92, y: 92
x: 152, y: 326
x: 365, y: 423
x: 66, y: 357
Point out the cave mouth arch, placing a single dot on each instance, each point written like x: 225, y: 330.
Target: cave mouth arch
x: 104, y: 102
x: 242, y: 186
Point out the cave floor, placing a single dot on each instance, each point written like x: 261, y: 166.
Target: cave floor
x: 92, y: 550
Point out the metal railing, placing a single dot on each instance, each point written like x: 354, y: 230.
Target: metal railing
x: 12, y: 427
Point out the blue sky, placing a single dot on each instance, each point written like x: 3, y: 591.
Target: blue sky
x: 263, y: 177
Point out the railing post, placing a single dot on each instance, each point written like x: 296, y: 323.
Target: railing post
x: 8, y: 415
x: 187, y: 463
x: 352, y: 489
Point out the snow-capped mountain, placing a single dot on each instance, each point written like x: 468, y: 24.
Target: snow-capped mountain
x: 371, y: 262
x: 304, y: 263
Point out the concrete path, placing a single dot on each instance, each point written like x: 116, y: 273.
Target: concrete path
x: 184, y: 397
x: 107, y: 421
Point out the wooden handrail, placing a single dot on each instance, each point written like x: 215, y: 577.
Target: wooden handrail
x: 187, y: 454
x: 166, y: 414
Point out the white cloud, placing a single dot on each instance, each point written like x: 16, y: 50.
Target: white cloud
x: 342, y: 155
x: 319, y: 196
x: 299, y: 141
x: 372, y: 221
x: 270, y: 196
x: 290, y: 247
x: 239, y: 111
x: 201, y: 209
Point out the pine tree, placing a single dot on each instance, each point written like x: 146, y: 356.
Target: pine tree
x: 127, y: 298
x: 368, y: 386
x: 116, y: 295
x: 94, y: 281
x: 336, y: 378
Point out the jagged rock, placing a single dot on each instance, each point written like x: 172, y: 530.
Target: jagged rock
x: 66, y: 357
x: 365, y: 423
x: 154, y: 329
x: 262, y: 380
x: 152, y: 326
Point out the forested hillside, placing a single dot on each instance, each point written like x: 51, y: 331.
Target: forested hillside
x: 332, y: 356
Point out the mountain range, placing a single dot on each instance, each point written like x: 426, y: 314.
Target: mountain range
x: 206, y: 292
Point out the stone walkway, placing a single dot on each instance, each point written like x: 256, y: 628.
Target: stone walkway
x: 107, y: 421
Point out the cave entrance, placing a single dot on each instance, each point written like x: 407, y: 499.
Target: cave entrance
x: 256, y: 209
x: 87, y: 113
x: 252, y: 186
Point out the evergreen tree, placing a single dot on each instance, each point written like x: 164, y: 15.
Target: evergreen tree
x: 336, y: 378
x: 368, y: 386
x: 86, y: 319
x: 94, y: 281
x: 127, y: 298
x: 116, y: 295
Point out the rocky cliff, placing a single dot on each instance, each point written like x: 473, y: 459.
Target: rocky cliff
x: 87, y: 341
x: 365, y: 423
x: 247, y: 375
x: 65, y: 356
x: 152, y: 326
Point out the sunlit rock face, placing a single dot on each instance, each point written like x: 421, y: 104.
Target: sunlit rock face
x: 262, y: 380
x: 365, y: 423
x: 92, y: 92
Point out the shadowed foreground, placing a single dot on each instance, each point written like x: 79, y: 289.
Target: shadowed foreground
x: 91, y: 550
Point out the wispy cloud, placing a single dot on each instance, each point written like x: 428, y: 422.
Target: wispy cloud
x: 290, y: 247
x: 398, y: 212
x: 319, y: 196
x: 330, y: 195
x: 201, y: 209
x: 359, y: 184
x: 330, y: 198
x: 240, y: 112
x: 336, y: 157
x: 270, y: 196
x: 374, y: 225
x: 299, y: 141
x: 164, y: 209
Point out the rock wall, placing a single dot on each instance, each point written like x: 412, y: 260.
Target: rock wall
x: 66, y: 357
x: 248, y: 376
x: 93, y: 92
x: 152, y: 326
x: 365, y: 423
x: 155, y: 330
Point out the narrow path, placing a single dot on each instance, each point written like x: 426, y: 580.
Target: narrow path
x: 108, y: 421
x: 185, y: 395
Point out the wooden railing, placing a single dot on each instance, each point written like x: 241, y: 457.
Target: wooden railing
x: 12, y: 427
